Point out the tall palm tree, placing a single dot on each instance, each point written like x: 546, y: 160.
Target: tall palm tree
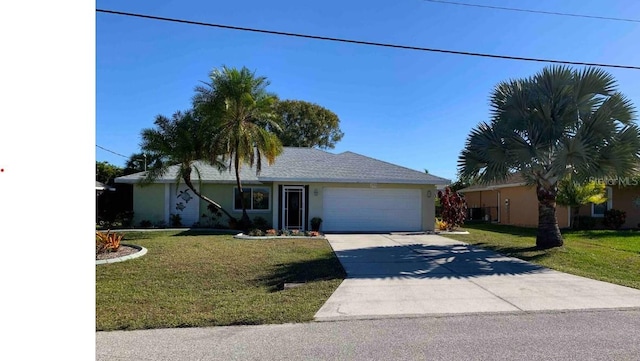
x: 180, y: 140
x: 243, y: 111
x: 556, y: 123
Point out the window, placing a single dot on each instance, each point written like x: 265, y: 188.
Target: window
x: 256, y: 199
x: 597, y: 210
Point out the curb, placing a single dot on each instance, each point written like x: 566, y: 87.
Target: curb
x: 141, y: 252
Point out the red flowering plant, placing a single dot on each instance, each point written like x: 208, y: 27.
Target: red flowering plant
x: 454, y: 208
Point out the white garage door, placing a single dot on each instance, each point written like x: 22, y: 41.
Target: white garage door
x: 371, y: 209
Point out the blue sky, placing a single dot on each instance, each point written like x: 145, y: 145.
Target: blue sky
x: 72, y: 79
x: 411, y: 108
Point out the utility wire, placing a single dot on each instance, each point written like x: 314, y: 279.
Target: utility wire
x: 361, y: 42
x: 110, y: 151
x: 534, y: 11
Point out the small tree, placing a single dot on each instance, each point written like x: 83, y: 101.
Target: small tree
x: 454, y: 208
x: 573, y: 194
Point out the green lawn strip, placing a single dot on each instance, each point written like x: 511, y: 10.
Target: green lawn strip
x: 611, y: 256
x: 213, y: 280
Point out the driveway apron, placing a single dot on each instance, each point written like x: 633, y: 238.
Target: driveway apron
x: 416, y: 274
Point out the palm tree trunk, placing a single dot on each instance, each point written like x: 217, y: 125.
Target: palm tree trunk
x: 548, y: 231
x: 187, y: 180
x: 245, y: 222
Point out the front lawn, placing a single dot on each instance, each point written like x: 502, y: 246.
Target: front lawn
x: 190, y: 279
x: 611, y: 256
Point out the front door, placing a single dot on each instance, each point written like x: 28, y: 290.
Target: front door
x: 293, y: 207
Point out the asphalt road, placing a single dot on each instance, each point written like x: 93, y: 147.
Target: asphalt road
x: 572, y: 335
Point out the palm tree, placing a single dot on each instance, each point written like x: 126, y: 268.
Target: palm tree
x: 556, y: 123
x: 243, y: 111
x: 182, y: 141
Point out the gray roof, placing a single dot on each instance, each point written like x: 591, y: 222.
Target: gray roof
x: 309, y: 165
x: 101, y: 186
x: 514, y: 180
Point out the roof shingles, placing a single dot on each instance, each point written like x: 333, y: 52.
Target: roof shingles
x: 309, y: 165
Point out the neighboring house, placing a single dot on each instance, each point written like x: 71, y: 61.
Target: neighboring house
x: 513, y: 202
x: 101, y: 187
x: 349, y: 191
x: 507, y: 202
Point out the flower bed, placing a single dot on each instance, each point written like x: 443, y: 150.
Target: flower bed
x: 283, y: 233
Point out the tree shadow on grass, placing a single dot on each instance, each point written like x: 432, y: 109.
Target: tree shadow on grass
x: 604, y: 234
x: 518, y: 252
x: 503, y: 228
x: 206, y: 232
x: 319, y: 269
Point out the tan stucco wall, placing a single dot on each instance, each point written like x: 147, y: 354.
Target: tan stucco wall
x: 315, y: 201
x: 522, y: 209
x: 627, y: 198
x: 148, y: 203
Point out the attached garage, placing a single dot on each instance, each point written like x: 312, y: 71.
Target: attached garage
x: 349, y: 191
x: 371, y: 209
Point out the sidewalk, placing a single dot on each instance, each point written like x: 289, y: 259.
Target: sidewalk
x: 409, y: 275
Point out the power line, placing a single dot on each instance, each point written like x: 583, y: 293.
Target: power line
x: 361, y: 42
x: 534, y: 11
x: 110, y: 151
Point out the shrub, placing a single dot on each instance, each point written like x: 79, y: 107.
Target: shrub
x: 145, y: 223
x: 176, y: 220
x: 454, y: 208
x: 256, y: 233
x: 212, y: 219
x: 271, y: 232
x: 584, y: 222
x: 108, y: 242
x: 442, y: 225
x: 261, y: 223
x: 315, y: 223
x: 124, y: 218
x: 614, y: 218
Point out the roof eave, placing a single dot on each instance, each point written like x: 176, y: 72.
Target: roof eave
x: 492, y: 188
x: 355, y: 180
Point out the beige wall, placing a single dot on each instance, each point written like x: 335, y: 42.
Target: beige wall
x: 627, y: 199
x: 522, y: 209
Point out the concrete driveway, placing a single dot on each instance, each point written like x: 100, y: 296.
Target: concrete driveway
x: 416, y: 274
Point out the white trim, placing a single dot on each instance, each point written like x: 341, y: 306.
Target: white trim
x: 492, y: 188
x: 233, y: 201
x: 356, y: 180
x: 302, y: 206
x: 167, y: 202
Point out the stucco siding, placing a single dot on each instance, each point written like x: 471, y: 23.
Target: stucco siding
x: 627, y: 198
x: 148, y: 203
x: 522, y: 207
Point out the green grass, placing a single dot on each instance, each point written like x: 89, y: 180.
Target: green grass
x: 611, y: 256
x: 190, y: 279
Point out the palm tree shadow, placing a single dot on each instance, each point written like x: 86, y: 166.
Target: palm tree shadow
x: 318, y: 269
x: 419, y: 261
